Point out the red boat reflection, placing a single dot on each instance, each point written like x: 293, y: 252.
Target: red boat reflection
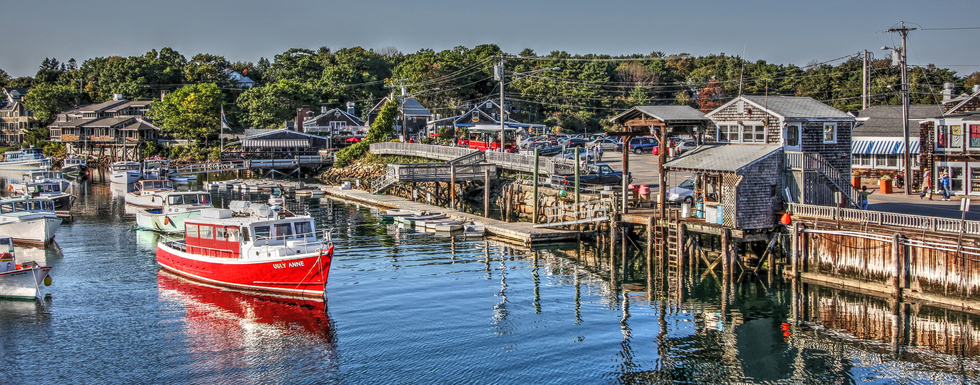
x: 213, y: 306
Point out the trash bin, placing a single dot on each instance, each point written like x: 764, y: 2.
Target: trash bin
x: 699, y: 209
x: 685, y: 210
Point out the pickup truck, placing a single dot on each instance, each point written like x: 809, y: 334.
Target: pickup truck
x: 595, y: 174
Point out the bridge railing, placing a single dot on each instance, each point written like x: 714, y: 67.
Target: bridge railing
x: 510, y: 161
x: 947, y: 225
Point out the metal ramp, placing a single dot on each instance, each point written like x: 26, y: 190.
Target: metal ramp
x: 584, y: 212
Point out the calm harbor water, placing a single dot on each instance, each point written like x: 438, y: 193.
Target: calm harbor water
x: 404, y: 307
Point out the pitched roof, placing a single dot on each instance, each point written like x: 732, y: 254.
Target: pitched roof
x: 101, y: 106
x: 886, y: 121
x: 789, y: 107
x: 15, y: 92
x: 311, y: 121
x: 722, y: 157
x: 961, y: 103
x: 665, y: 113
x: 279, y: 131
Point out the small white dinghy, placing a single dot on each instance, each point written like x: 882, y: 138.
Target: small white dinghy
x: 20, y: 280
x: 474, y: 230
x: 448, y: 224
x: 419, y: 220
x: 402, y: 213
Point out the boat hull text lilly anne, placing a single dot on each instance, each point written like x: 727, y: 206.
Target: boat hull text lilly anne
x: 251, y: 248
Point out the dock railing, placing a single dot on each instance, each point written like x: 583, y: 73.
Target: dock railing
x: 510, y: 161
x: 920, y: 222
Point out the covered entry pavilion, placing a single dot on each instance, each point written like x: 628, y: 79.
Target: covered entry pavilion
x: 662, y: 122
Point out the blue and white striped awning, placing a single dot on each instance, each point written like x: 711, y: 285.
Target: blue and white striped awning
x: 882, y: 147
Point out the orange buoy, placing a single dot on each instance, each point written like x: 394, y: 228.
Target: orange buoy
x: 785, y: 219
x: 166, y: 220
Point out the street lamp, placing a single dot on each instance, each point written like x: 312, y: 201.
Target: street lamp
x: 499, y: 74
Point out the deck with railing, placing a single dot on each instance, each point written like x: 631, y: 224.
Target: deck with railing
x: 507, y: 161
x: 884, y: 218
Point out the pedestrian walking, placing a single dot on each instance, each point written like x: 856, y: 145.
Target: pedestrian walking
x: 598, y: 151
x: 926, y: 185
x: 944, y: 185
x: 864, y: 197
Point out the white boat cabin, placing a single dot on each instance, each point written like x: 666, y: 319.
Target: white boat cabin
x: 124, y: 166
x: 153, y: 186
x: 43, y: 175
x: 12, y: 205
x: 261, y: 235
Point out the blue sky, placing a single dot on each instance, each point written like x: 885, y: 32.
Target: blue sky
x: 776, y: 31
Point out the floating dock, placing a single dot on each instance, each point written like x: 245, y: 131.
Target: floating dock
x: 521, y: 232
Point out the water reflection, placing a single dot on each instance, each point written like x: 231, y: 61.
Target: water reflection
x: 234, y: 337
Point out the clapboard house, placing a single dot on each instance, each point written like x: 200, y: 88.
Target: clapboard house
x: 335, y: 122
x: 485, y: 113
x: 951, y: 142
x: 877, y: 143
x: 412, y: 115
x: 815, y: 139
x: 14, y: 116
x: 115, y: 128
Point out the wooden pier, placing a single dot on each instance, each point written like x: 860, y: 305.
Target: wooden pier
x: 523, y: 233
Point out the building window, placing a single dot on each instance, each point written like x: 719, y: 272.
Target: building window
x: 942, y: 135
x: 755, y: 133
x: 956, y: 136
x: 881, y: 160
x: 891, y: 161
x: 729, y: 133
x: 865, y: 160
x: 830, y: 132
x: 975, y: 136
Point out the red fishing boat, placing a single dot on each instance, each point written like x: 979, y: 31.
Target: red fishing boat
x: 251, y: 247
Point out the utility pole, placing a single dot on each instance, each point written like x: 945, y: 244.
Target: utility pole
x: 864, y: 81
x: 500, y: 76
x: 904, y: 32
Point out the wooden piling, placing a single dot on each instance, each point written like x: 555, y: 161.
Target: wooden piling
x: 681, y: 250
x: 452, y: 186
x: 795, y: 250
x: 534, y: 197
x: 650, y: 241
x: 897, y: 260
x: 486, y: 194
x: 726, y: 264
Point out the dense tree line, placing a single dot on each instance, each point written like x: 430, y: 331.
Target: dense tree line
x: 580, y: 95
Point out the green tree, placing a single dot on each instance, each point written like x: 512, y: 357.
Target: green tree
x: 47, y: 100
x: 35, y: 137
x: 268, y: 106
x: 382, y: 127
x: 191, y: 112
x: 4, y: 78
x: 207, y: 68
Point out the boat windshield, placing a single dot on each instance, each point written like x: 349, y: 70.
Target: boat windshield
x: 305, y: 229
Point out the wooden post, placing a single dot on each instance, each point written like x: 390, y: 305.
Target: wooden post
x: 486, y: 194
x: 452, y: 186
x: 650, y: 241
x: 534, y: 211
x: 897, y: 260
x: 681, y: 251
x: 794, y: 254
x: 612, y: 252
x: 626, y: 172
x: 577, y: 174
x: 725, y: 263
x: 771, y: 271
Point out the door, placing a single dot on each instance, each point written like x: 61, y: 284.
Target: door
x: 791, y: 137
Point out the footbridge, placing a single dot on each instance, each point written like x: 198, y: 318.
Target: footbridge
x: 461, y: 164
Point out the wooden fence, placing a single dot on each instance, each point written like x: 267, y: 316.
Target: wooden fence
x: 508, y: 161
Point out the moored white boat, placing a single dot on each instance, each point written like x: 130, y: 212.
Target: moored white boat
x: 445, y: 224
x: 19, y: 280
x: 474, y: 229
x: 124, y: 172
x: 47, y: 189
x: 75, y: 167
x: 251, y: 247
x: 418, y: 219
x: 27, y: 159
x: 147, y: 193
x: 177, y: 207
x: 156, y: 167
x: 30, y: 221
x: 402, y: 213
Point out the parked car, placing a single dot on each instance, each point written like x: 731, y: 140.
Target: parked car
x: 544, y: 149
x: 582, y: 154
x: 573, y: 142
x: 607, y: 143
x: 598, y: 174
x: 641, y: 145
x: 682, y: 193
x: 685, y: 146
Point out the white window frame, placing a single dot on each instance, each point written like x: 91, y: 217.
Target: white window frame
x: 824, y: 132
x: 749, y: 129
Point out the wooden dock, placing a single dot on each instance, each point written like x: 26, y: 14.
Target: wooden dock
x: 523, y: 233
